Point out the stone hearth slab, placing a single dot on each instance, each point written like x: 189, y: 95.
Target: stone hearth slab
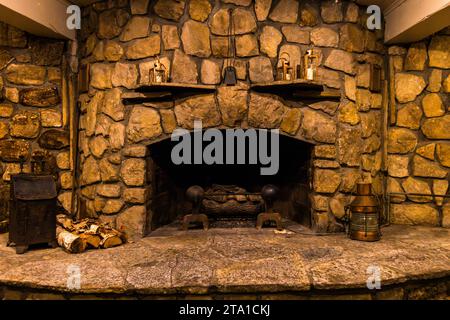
x: 235, y: 261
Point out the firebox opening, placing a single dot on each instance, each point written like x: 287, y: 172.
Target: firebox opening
x: 232, y: 191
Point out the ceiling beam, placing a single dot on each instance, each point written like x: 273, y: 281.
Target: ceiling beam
x: 414, y: 20
x: 46, y: 18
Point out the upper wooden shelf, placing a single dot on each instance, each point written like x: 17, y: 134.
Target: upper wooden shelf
x: 165, y: 91
x: 284, y: 84
x: 298, y: 90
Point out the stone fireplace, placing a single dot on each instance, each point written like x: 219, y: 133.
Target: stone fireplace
x: 153, y: 188
x: 331, y: 141
x: 85, y: 104
x: 134, y: 181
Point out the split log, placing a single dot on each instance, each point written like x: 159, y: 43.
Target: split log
x: 111, y: 240
x: 110, y: 237
x: 93, y: 229
x: 65, y: 222
x: 91, y: 240
x: 82, y: 226
x: 106, y: 231
x: 69, y: 241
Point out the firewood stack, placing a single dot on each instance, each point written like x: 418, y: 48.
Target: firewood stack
x: 76, y: 237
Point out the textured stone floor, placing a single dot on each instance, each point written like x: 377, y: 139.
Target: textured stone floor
x: 241, y: 260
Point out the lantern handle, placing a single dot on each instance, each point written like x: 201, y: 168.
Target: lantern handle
x: 285, y: 53
x: 160, y: 63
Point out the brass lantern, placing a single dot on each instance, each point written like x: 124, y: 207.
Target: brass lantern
x: 158, y: 74
x: 284, y: 69
x: 364, y: 220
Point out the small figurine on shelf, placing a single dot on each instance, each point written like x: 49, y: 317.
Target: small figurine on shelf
x: 284, y: 69
x: 310, y: 67
x: 158, y: 73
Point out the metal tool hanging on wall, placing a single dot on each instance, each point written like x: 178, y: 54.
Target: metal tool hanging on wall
x: 230, y: 78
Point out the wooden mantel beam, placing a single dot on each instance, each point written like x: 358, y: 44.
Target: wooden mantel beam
x: 46, y: 18
x: 414, y: 20
x: 409, y: 21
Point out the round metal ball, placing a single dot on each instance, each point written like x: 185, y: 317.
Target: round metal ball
x: 195, y: 194
x: 269, y: 192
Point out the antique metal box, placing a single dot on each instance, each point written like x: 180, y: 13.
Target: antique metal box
x: 32, y: 211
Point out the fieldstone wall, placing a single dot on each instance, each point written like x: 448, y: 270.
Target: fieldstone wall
x: 30, y: 107
x: 121, y: 40
x: 419, y: 142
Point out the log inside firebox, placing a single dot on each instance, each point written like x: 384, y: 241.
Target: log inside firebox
x: 231, y: 200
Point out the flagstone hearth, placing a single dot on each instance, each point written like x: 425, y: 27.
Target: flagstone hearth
x: 239, y: 263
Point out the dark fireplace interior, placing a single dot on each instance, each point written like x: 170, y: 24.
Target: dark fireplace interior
x: 242, y: 185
